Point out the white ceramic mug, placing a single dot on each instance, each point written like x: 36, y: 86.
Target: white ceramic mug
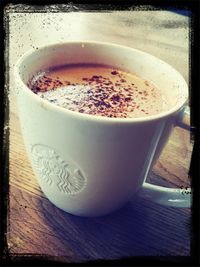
x: 91, y: 165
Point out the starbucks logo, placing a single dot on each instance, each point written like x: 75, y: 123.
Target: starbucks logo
x: 54, y: 171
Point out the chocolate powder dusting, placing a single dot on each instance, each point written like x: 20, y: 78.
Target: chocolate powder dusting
x: 112, y: 94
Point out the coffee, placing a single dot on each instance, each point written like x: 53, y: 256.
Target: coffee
x: 98, y: 90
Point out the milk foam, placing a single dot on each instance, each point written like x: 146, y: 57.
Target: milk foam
x: 99, y: 90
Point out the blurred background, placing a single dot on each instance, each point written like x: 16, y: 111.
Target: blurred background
x: 162, y: 33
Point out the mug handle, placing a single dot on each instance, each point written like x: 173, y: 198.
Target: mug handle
x: 174, y: 197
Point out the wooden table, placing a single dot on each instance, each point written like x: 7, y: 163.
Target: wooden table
x: 37, y: 227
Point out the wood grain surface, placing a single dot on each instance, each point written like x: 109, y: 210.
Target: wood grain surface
x: 37, y: 227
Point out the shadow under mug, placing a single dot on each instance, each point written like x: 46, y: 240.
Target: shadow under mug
x: 90, y: 165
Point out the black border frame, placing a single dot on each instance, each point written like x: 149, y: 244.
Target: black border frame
x: 192, y: 6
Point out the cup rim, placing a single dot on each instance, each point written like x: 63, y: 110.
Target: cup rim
x: 92, y: 117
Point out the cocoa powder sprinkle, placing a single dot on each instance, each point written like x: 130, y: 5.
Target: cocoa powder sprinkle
x: 96, y: 94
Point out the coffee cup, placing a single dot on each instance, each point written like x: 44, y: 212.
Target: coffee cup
x: 90, y: 165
